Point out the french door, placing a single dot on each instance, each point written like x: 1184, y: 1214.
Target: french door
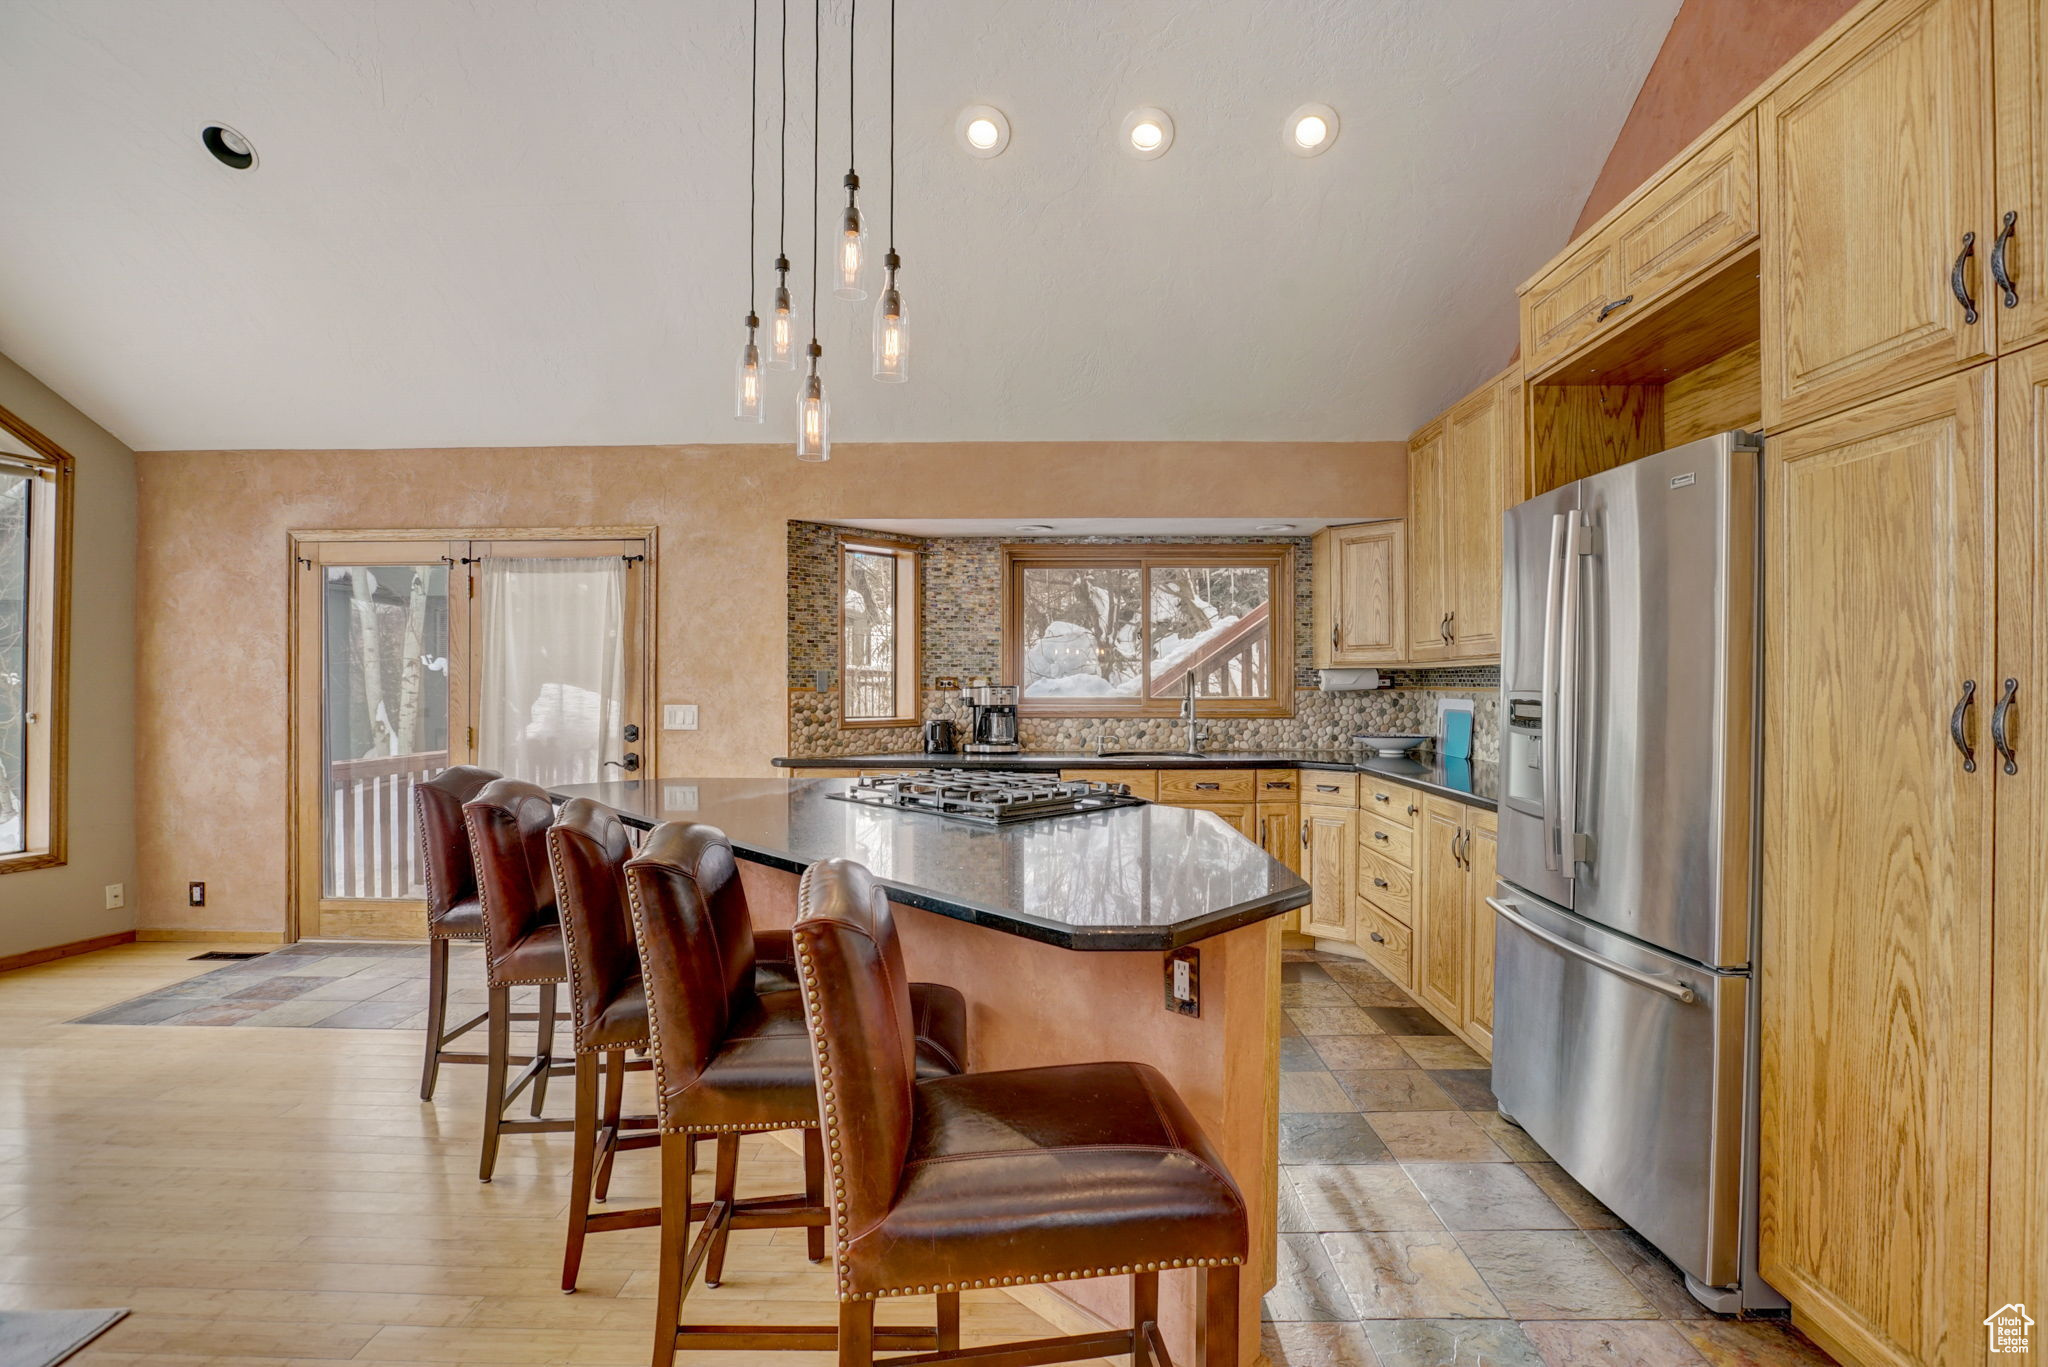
x: 524, y: 655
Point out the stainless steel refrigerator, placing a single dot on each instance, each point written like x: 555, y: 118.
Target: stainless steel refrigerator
x: 1625, y: 919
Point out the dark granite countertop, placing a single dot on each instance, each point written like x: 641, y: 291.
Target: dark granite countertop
x: 1468, y: 781
x: 1146, y: 877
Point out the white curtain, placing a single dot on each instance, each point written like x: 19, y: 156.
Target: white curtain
x: 552, y: 701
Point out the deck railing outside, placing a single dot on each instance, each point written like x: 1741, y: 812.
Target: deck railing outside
x: 373, y: 847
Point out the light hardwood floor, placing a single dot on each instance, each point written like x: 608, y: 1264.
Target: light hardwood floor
x: 282, y: 1196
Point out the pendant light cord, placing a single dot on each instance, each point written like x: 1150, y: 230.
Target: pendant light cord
x: 782, y: 164
x: 892, y: 127
x: 753, y: 157
x: 852, y: 28
x: 817, y: 67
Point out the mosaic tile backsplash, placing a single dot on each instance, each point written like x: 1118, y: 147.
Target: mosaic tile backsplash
x: 961, y: 617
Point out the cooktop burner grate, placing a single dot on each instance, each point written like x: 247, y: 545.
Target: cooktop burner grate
x: 987, y: 798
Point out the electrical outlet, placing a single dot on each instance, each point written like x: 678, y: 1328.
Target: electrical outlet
x: 117, y: 895
x: 195, y: 894
x: 679, y: 716
x: 1184, y: 981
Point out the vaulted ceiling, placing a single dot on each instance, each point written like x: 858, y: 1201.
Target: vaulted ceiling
x: 524, y: 222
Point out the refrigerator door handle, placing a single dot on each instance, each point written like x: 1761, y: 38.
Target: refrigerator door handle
x: 1567, y: 723
x: 1677, y: 991
x: 1547, y: 750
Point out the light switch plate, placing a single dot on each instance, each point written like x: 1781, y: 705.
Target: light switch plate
x: 679, y: 716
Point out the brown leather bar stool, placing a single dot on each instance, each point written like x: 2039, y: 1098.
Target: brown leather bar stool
x: 947, y: 1184
x: 508, y: 836
x: 587, y: 850
x: 732, y: 1059
x: 453, y: 912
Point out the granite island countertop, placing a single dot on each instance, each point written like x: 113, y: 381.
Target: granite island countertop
x: 1145, y: 877
x: 1472, y: 782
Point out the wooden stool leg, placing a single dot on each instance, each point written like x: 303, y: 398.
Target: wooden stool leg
x: 1216, y: 1328
x: 1144, y: 1311
x: 544, y: 1046
x: 500, y: 1049
x: 948, y: 1321
x: 856, y: 1334
x: 584, y: 1158
x: 675, y: 1245
x: 814, y: 1189
x: 614, y: 1101
x: 722, y: 1186
x: 437, y: 1013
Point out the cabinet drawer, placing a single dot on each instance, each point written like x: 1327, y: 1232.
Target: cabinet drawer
x: 1563, y: 309
x: 1390, y: 801
x: 1385, y: 884
x: 1142, y: 782
x: 1329, y: 789
x: 1389, y: 839
x: 1242, y: 815
x: 1206, y: 785
x: 1384, y: 940
x: 1698, y: 214
x: 1278, y: 785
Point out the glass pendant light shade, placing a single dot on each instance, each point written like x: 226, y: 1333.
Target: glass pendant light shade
x: 747, y: 379
x: 813, y: 416
x: 892, y: 329
x: 782, y: 327
x: 849, y: 255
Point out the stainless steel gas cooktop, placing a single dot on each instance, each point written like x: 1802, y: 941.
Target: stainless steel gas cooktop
x: 988, y: 798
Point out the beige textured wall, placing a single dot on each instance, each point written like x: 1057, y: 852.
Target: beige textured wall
x: 49, y: 907
x: 212, y: 707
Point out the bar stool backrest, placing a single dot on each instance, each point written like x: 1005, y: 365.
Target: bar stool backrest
x: 444, y: 840
x: 857, y: 1004
x: 696, y: 938
x: 588, y: 849
x: 508, y: 835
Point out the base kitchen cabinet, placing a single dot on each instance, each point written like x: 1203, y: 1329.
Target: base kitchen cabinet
x: 1452, y: 925
x: 1329, y: 864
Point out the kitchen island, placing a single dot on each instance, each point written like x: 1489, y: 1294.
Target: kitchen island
x: 1057, y: 932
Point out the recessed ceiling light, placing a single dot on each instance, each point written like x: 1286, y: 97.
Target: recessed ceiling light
x: 1148, y: 132
x: 1034, y: 526
x: 1309, y: 130
x: 229, y: 147
x: 1277, y: 527
x: 983, y: 130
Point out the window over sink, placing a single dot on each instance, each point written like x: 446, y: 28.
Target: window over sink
x: 1108, y: 630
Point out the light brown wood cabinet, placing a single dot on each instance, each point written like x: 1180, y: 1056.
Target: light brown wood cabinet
x: 1361, y: 594
x: 1329, y: 861
x: 1877, y: 161
x: 1459, y: 485
x: 1877, y: 994
x: 1453, y: 878
x: 2020, y: 40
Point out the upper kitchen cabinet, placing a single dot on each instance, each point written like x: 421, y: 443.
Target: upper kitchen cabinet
x: 1879, y: 225
x: 1459, y: 485
x: 1361, y: 587
x: 2020, y: 247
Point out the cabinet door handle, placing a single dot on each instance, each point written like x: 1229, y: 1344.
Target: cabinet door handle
x: 1305, y: 829
x: 1377, y: 938
x: 1621, y: 303
x: 1262, y: 831
x: 1957, y: 285
x: 1381, y: 797
x: 1413, y: 809
x: 1955, y: 725
x: 1379, y: 835
x: 1451, y: 626
x: 2000, y: 271
x: 1379, y: 882
x: 1458, y: 848
x: 2000, y: 735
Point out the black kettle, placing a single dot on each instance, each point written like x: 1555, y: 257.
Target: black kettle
x: 938, y: 737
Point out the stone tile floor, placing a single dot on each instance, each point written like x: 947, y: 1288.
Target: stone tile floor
x: 1419, y: 1229
x: 322, y: 985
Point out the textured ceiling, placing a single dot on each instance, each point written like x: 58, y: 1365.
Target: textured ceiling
x: 522, y: 222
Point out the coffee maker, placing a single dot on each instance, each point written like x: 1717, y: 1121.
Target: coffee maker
x: 991, y: 719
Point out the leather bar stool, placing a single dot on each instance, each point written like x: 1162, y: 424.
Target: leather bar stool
x: 508, y: 836
x: 587, y: 850
x: 946, y: 1184
x: 732, y: 1059
x: 453, y: 912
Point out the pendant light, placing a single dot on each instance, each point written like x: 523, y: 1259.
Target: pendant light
x: 892, y: 332
x: 813, y: 413
x: 849, y: 253
x: 781, y: 320
x: 747, y: 380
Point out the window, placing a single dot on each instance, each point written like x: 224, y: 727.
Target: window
x: 1128, y: 630
x: 878, y: 631
x: 34, y: 489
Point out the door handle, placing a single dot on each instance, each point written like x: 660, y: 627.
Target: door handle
x: 1451, y: 626
x: 1608, y: 308
x: 631, y: 763
x: 1959, y: 286
x: 1575, y: 551
x: 2000, y: 271
x: 1334, y: 626
x: 1305, y: 828
x: 1955, y: 725
x: 1547, y: 698
x: 1262, y: 831
x: 2001, y: 736
x: 1675, y: 990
